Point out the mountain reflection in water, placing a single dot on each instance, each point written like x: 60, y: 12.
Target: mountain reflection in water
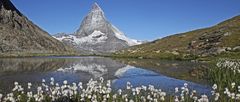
x: 76, y: 69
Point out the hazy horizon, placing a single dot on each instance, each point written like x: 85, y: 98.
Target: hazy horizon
x: 142, y: 20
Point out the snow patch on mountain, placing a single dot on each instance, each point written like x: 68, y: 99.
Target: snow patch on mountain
x: 95, y: 37
x: 120, y: 35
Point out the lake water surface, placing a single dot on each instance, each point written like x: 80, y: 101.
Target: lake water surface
x: 162, y: 74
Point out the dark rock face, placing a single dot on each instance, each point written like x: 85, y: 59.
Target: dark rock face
x: 96, y: 35
x: 9, y: 6
x: 208, y: 43
x: 20, y: 35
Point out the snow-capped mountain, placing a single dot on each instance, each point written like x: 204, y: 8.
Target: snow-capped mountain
x: 97, y: 35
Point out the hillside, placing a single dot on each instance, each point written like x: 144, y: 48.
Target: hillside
x: 222, y: 38
x: 20, y: 37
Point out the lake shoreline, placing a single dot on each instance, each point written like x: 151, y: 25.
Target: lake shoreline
x: 233, y: 55
x: 82, y: 69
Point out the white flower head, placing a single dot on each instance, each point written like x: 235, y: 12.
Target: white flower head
x: 65, y: 82
x: 185, y: 84
x: 176, y: 90
x: 1, y: 95
x: 52, y: 79
x: 233, y: 85
x: 15, y: 83
x: 214, y: 86
x: 43, y: 80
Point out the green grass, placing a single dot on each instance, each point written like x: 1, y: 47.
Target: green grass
x: 224, y: 75
x: 162, y: 48
x: 150, y: 55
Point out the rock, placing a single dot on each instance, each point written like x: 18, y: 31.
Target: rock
x: 228, y: 49
x: 158, y: 51
x: 175, y: 53
x: 20, y: 35
x: 175, y: 64
x: 237, y: 48
x: 221, y: 50
x: 140, y: 57
x: 167, y: 51
x: 227, y: 34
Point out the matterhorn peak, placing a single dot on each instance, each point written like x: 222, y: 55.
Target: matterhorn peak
x: 97, y: 35
x: 96, y: 7
x: 95, y: 20
x: 7, y: 5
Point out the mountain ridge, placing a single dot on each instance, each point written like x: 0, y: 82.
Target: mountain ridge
x: 20, y: 36
x: 222, y: 38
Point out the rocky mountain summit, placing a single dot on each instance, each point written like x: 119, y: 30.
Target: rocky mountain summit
x: 18, y: 35
x: 96, y: 35
x: 223, y: 38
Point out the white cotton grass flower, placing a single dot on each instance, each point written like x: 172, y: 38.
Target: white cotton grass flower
x: 131, y: 100
x: 115, y: 96
x: 176, y: 99
x: 65, y: 82
x: 227, y: 92
x: 185, y: 84
x: 129, y: 85
x: 238, y: 88
x: 15, y: 83
x: 100, y: 90
x: 195, y: 98
x: 238, y: 96
x: 57, y: 84
x: 233, y: 85
x: 176, y: 90
x: 203, y: 98
x: 52, y: 81
x: 120, y: 91
x: 151, y: 87
x: 101, y: 79
x: 193, y: 93
x: 108, y: 83
x: 144, y: 88
x: 43, y: 80
x: 29, y: 85
x: 214, y: 87
x: 232, y: 65
x: 232, y: 95
x: 1, y: 96
x: 217, y: 95
x: 138, y: 90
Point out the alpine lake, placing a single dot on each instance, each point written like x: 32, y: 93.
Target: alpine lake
x: 163, y: 74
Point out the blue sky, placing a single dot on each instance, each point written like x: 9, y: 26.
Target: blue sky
x: 138, y: 19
